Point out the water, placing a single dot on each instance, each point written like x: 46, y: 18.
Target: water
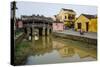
x: 49, y: 49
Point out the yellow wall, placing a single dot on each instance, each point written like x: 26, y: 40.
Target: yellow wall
x: 62, y: 14
x: 92, y: 27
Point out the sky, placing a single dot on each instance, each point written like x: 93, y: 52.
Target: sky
x: 51, y: 9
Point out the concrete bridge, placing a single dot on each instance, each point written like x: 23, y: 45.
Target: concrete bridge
x: 36, y: 24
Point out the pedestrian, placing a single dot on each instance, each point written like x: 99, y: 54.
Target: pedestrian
x: 81, y: 32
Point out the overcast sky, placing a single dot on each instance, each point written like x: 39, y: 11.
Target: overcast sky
x: 51, y: 9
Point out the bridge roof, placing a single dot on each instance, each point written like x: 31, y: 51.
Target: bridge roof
x: 35, y: 18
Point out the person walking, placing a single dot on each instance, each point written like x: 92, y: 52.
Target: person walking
x: 81, y: 32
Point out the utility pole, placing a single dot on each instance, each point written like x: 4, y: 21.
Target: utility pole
x: 13, y: 28
x: 13, y: 13
x: 13, y: 20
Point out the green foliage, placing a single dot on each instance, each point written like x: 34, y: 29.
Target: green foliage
x: 21, y: 52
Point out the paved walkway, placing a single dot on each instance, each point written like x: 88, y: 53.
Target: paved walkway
x: 92, y: 35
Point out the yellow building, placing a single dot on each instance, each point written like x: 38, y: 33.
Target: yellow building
x: 66, y: 51
x: 86, y: 23
x: 67, y: 16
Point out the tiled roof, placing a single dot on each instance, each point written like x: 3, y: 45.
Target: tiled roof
x: 68, y: 10
x: 90, y: 16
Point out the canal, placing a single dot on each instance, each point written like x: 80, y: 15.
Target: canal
x: 51, y: 49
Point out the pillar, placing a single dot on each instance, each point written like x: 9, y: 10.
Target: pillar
x: 29, y: 34
x: 33, y: 24
x: 48, y: 30
x: 43, y: 31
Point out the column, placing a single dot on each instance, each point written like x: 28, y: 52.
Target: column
x: 48, y: 30
x: 33, y: 29
x: 43, y: 29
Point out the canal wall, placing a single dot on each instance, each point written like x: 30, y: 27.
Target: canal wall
x: 19, y: 38
x: 77, y: 38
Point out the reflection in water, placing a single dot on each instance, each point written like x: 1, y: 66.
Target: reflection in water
x: 53, y: 50
x: 66, y: 52
x: 41, y: 46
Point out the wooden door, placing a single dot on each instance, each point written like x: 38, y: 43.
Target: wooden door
x: 79, y: 25
x: 87, y: 26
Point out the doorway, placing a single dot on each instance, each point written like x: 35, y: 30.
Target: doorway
x: 79, y: 25
x: 87, y: 26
